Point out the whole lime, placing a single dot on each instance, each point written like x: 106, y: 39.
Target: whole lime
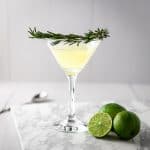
x: 126, y: 125
x: 100, y: 124
x: 112, y: 109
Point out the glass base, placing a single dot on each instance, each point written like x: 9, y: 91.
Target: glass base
x: 71, y: 125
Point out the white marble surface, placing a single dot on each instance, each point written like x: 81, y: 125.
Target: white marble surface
x: 135, y: 97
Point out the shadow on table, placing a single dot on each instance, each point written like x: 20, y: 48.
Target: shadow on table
x: 144, y: 136
x: 142, y: 140
x: 113, y: 137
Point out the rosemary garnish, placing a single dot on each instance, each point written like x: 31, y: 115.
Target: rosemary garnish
x: 98, y: 34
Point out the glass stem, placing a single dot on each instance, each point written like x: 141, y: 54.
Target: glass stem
x: 72, y: 80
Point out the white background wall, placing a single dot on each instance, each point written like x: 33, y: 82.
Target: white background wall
x: 124, y: 57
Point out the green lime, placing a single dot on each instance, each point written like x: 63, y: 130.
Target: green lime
x: 126, y: 125
x: 100, y: 124
x: 112, y: 109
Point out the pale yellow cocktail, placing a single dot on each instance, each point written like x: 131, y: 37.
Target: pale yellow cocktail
x: 72, y: 58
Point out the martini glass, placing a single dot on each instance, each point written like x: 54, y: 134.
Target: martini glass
x: 72, y: 59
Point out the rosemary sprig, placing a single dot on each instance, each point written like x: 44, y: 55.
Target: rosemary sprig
x: 98, y: 34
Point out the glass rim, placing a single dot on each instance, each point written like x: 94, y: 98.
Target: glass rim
x: 62, y: 43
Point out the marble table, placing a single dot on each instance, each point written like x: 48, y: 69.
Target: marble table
x: 135, y: 97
